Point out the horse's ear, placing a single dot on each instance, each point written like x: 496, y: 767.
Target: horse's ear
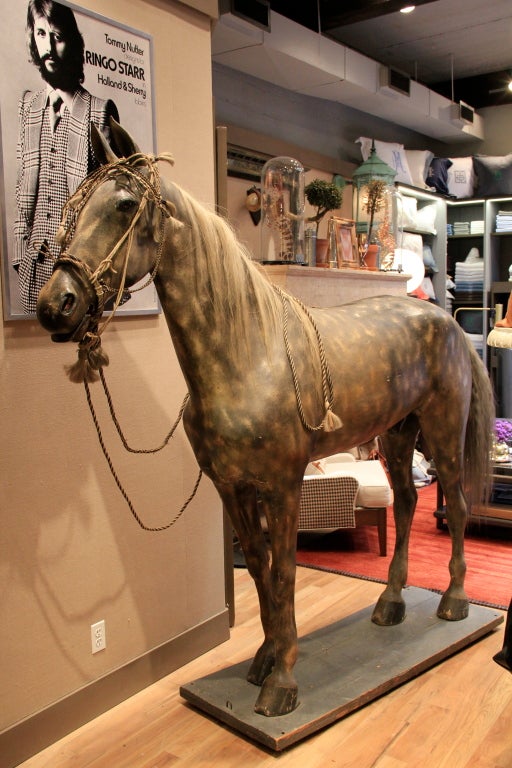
x: 121, y: 141
x: 100, y: 147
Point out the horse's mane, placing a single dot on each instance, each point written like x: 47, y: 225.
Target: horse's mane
x: 239, y: 290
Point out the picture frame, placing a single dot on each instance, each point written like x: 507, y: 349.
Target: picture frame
x: 118, y: 68
x: 343, y: 235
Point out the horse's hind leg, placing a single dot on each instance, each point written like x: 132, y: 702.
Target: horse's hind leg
x: 398, y: 446
x: 447, y: 451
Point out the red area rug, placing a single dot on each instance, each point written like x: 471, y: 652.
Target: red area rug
x: 355, y: 552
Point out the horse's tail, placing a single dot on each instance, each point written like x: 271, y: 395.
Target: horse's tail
x: 479, y: 433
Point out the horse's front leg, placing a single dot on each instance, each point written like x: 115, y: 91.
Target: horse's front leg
x: 398, y: 448
x: 278, y: 694
x: 241, y: 504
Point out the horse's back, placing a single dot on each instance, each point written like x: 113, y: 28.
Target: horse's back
x: 399, y: 327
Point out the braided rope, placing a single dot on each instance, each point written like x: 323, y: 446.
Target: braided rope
x: 152, y: 529
x: 120, y: 431
x: 330, y: 420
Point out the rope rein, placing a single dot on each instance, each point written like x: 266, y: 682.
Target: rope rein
x: 91, y: 358
x: 155, y: 529
x: 120, y: 431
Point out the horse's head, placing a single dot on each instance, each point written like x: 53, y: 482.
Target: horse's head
x: 111, y: 236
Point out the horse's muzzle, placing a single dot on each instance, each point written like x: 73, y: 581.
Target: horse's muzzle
x: 65, y: 305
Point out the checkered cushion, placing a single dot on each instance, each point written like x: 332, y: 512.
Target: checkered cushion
x: 328, y: 502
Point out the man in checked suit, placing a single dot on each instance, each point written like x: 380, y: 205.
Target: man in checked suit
x: 54, y: 149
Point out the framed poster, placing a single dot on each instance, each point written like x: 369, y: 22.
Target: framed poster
x: 92, y: 68
x: 346, y: 243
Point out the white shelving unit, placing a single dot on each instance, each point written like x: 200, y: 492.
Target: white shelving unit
x: 437, y: 240
x: 466, y: 303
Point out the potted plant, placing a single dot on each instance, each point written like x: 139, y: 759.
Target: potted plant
x: 325, y: 196
x: 374, y: 203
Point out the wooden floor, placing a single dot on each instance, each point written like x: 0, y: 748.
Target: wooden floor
x: 458, y: 714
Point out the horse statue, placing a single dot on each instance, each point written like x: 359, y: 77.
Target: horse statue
x: 274, y: 384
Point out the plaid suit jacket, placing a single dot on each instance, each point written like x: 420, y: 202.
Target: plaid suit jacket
x: 86, y: 108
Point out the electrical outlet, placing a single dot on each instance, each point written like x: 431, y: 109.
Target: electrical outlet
x: 98, y: 638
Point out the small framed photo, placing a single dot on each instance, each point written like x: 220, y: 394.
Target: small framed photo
x: 344, y: 231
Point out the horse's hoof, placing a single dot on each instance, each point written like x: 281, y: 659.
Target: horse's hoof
x: 261, y: 667
x: 273, y: 702
x: 387, y: 613
x: 453, y: 608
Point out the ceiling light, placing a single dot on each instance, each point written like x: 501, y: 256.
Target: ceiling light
x: 407, y: 9
x: 509, y: 86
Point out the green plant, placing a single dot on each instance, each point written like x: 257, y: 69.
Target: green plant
x: 374, y: 202
x: 324, y: 196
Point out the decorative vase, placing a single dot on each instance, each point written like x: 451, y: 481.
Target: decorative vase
x: 310, y: 247
x: 322, y: 252
x: 371, y: 256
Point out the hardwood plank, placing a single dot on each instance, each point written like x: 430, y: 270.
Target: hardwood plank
x: 465, y: 693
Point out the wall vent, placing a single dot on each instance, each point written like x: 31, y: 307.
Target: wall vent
x: 255, y: 11
x: 244, y: 163
x: 462, y: 114
x: 392, y: 81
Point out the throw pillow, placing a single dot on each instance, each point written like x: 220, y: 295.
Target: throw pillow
x: 437, y: 176
x: 419, y: 162
x: 493, y: 174
x: 407, y: 208
x: 391, y: 153
x: 428, y: 258
x: 426, y: 219
x: 461, y: 177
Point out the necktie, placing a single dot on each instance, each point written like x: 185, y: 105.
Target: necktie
x: 56, y: 103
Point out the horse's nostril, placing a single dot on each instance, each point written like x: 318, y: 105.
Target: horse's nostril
x: 67, y: 304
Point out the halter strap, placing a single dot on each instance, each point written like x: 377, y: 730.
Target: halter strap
x: 149, y: 183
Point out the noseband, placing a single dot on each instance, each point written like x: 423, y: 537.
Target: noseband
x: 88, y: 332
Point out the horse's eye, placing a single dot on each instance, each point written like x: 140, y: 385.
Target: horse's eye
x: 126, y: 205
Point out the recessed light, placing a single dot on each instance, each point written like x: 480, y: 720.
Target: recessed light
x: 407, y: 9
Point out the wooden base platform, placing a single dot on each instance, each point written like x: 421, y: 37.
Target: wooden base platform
x: 341, y: 668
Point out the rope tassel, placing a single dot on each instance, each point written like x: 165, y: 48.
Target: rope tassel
x: 331, y: 421
x: 91, y: 358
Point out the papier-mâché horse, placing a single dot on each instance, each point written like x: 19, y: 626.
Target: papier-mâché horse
x: 273, y: 385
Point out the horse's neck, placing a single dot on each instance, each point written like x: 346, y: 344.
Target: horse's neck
x: 213, y: 315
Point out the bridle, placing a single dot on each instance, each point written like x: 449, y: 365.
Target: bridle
x: 88, y: 333
x: 141, y: 169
